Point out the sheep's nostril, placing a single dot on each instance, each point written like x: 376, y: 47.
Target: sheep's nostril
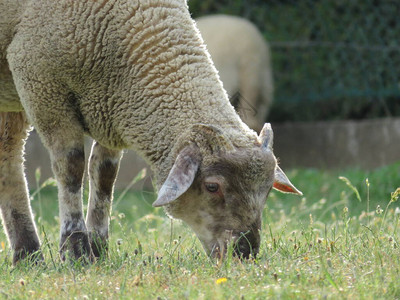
x: 245, y: 251
x: 247, y: 244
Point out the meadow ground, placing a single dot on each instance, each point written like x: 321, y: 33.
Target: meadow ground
x: 341, y: 240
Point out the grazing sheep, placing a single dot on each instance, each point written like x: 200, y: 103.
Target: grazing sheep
x: 242, y: 57
x: 130, y: 74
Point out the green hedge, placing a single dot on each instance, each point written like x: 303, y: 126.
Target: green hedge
x: 332, y: 59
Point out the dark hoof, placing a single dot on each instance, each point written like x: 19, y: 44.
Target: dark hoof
x: 76, y: 247
x: 31, y: 255
x: 99, y: 245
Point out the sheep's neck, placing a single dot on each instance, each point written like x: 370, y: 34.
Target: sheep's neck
x: 173, y: 83
x: 149, y: 82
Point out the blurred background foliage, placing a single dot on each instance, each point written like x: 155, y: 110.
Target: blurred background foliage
x: 332, y: 59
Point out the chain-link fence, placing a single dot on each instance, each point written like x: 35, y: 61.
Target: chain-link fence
x: 332, y: 59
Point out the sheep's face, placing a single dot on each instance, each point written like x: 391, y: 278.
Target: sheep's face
x: 225, y: 201
x: 221, y: 194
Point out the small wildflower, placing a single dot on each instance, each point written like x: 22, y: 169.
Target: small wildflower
x: 305, y: 258
x: 379, y: 210
x: 121, y: 215
x: 3, y: 245
x: 221, y: 280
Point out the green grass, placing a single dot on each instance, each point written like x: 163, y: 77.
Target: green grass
x: 335, y: 242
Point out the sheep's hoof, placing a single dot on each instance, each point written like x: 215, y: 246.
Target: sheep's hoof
x: 31, y: 255
x: 99, y: 245
x: 76, y: 247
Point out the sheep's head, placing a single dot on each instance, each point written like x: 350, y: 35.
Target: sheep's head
x: 220, y: 191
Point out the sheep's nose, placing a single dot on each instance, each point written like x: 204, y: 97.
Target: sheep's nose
x: 247, y: 243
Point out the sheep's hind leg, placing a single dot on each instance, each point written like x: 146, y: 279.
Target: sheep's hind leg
x: 14, y: 200
x: 103, y: 169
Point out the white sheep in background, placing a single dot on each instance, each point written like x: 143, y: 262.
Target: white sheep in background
x: 130, y: 74
x: 242, y: 58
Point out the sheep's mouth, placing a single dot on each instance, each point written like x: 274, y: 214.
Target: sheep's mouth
x: 240, y: 245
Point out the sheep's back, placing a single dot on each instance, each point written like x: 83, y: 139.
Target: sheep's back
x: 234, y: 43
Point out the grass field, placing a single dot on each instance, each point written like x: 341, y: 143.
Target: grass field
x: 341, y: 240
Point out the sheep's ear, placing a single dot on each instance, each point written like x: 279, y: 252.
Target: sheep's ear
x: 266, y: 137
x: 283, y: 184
x: 180, y: 177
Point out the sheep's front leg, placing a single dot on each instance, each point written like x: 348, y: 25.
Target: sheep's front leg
x: 54, y: 111
x: 14, y: 201
x: 103, y: 169
x: 68, y: 162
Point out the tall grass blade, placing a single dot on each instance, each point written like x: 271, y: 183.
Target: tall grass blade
x: 141, y: 175
x: 352, y: 187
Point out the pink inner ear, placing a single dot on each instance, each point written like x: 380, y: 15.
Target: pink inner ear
x: 283, y: 188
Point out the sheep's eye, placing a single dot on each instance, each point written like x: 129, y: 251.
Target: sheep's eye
x: 212, y: 187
